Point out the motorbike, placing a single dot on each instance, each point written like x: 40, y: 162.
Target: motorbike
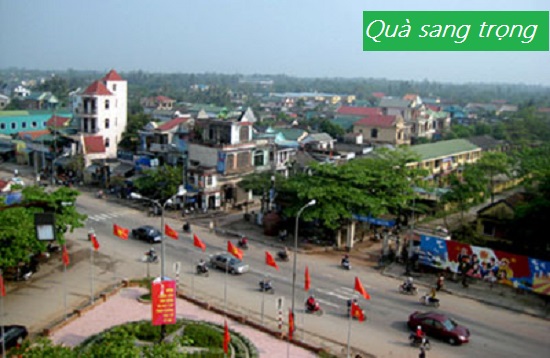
x: 243, y: 243
x: 266, y: 287
x: 186, y: 228
x: 405, y: 290
x: 283, y: 256
x: 52, y: 249
x: 345, y: 264
x: 315, y: 309
x: 417, y: 342
x: 426, y: 300
x: 202, y: 270
x: 150, y: 258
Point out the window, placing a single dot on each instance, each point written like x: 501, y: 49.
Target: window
x: 488, y: 229
x: 244, y: 134
x: 374, y: 133
x: 114, y: 87
x: 106, y: 104
x: 209, y: 181
x: 23, y: 124
x: 34, y: 124
x: 13, y: 125
x: 106, y: 123
x: 107, y: 143
x: 2, y: 125
x: 258, y: 158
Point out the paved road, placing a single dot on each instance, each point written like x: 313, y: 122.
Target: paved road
x: 495, y: 332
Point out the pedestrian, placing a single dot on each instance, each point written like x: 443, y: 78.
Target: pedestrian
x: 439, y: 283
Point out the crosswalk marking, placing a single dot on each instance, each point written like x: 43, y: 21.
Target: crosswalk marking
x: 103, y: 216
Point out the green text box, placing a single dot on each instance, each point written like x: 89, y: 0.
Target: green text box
x: 455, y: 31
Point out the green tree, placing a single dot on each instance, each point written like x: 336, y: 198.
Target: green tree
x: 369, y: 186
x: 17, y: 229
x: 161, y: 183
x: 334, y: 130
x: 136, y: 122
x: 493, y: 164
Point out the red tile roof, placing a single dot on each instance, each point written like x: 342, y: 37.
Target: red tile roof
x: 410, y: 96
x: 172, y: 123
x: 94, y: 144
x: 33, y: 134
x: 378, y: 94
x: 57, y: 121
x: 97, y: 88
x: 112, y: 76
x: 163, y: 99
x: 377, y: 121
x: 434, y: 108
x: 358, y: 111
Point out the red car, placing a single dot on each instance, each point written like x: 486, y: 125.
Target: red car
x: 440, y: 326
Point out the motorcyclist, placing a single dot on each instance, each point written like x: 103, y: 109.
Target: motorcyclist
x: 266, y: 284
x: 431, y: 297
x: 311, y: 303
x: 151, y: 254
x: 345, y: 260
x: 202, y: 266
x: 284, y: 253
x: 419, y: 334
x: 244, y: 241
x: 439, y: 283
x: 408, y: 285
x: 350, y: 303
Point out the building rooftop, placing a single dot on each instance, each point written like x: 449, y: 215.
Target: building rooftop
x: 443, y: 149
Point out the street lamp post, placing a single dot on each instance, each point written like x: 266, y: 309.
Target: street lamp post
x: 181, y: 191
x: 311, y: 203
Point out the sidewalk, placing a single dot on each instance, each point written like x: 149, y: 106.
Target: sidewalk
x: 499, y: 295
x: 124, y: 307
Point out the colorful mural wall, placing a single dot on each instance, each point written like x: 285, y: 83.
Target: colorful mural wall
x: 486, y: 264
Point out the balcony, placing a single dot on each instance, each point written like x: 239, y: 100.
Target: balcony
x: 157, y: 147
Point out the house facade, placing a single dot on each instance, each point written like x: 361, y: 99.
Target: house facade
x: 383, y: 129
x: 101, y: 112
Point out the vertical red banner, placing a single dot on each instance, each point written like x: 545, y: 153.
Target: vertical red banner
x: 163, y: 297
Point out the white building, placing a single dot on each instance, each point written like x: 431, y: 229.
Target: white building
x: 101, y: 110
x: 21, y: 92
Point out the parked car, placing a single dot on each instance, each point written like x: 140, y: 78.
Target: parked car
x: 13, y: 336
x: 439, y: 325
x: 234, y: 265
x: 147, y: 233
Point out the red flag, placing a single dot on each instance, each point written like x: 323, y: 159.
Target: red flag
x: 270, y: 261
x: 120, y: 232
x: 359, y: 288
x: 235, y: 251
x: 226, y: 338
x: 357, y: 312
x: 307, y: 280
x: 2, y: 287
x: 95, y: 243
x: 65, y: 256
x: 291, y: 327
x: 198, y: 243
x: 170, y: 232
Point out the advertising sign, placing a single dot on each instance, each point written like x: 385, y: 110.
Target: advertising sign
x: 163, y: 296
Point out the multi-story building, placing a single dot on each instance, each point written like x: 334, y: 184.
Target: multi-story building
x: 100, y: 115
x: 383, y: 129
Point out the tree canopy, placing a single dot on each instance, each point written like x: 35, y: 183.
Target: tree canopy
x: 17, y: 228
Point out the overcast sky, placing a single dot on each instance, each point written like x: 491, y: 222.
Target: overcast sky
x: 306, y: 38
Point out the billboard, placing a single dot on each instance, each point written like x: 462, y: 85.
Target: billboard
x: 486, y: 264
x: 163, y: 296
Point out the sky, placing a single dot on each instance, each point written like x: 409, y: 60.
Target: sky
x: 304, y: 38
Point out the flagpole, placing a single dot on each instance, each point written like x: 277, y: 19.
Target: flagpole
x: 349, y: 327
x: 192, y: 279
x: 263, y: 300
x: 92, y: 275
x: 2, y: 325
x: 2, y: 289
x: 65, y: 288
x: 225, y: 289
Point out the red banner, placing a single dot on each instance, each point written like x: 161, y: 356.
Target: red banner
x: 163, y: 297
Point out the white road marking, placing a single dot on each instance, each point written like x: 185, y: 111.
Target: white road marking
x: 327, y: 303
